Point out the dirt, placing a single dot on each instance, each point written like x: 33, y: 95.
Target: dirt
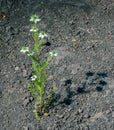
x: 82, y: 32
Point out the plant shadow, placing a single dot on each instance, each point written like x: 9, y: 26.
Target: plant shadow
x: 68, y: 99
x: 95, y: 80
x: 97, y: 83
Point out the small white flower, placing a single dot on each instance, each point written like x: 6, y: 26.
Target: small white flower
x: 33, y: 30
x: 34, y: 77
x: 30, y: 53
x: 42, y: 35
x: 53, y: 53
x: 24, y: 49
x: 35, y: 19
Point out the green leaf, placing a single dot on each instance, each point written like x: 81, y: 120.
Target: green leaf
x: 45, y: 64
x: 43, y: 77
x: 36, y: 48
x: 34, y: 59
x: 32, y: 89
x: 37, y: 69
x: 37, y: 45
x: 38, y: 85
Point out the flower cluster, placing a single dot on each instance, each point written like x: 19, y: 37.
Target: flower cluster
x: 31, y: 53
x: 41, y: 35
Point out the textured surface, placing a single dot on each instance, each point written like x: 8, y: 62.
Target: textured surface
x: 82, y: 73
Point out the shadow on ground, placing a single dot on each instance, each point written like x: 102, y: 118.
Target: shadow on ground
x: 93, y: 82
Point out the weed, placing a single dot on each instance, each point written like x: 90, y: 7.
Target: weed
x: 38, y: 79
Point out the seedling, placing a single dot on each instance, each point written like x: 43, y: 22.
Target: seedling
x: 37, y: 86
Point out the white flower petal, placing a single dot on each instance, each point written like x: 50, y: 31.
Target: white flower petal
x: 33, y: 30
x: 24, y: 49
x: 37, y: 20
x: 31, y: 19
x: 30, y: 54
x: 53, y: 53
x: 34, y: 77
x: 42, y: 35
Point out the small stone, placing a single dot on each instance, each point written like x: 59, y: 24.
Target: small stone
x: 26, y: 102
x: 16, y: 68
x: 79, y: 111
x: 26, y: 128
x: 87, y: 116
x: 59, y: 116
x: 73, y: 39
x: 31, y: 99
x: 107, y: 111
x: 113, y: 114
x: 24, y: 73
x: 71, y: 22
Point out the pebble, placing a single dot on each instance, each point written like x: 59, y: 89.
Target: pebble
x: 87, y: 116
x: 107, y: 111
x: 26, y: 102
x: 79, y: 111
x: 26, y: 128
x: 16, y: 68
x: 31, y: 99
x: 24, y: 73
x: 113, y: 114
